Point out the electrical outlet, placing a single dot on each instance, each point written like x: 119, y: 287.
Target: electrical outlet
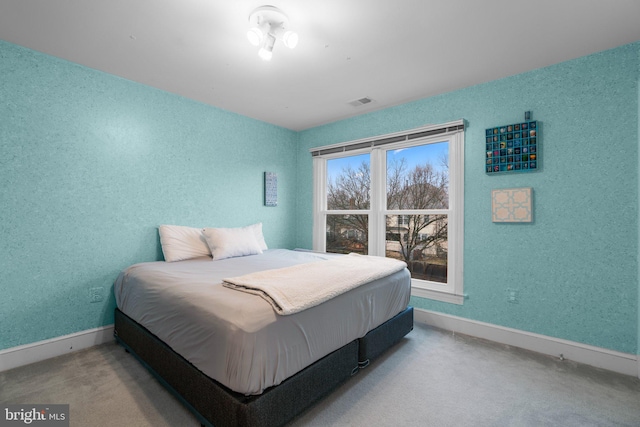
x: 513, y: 296
x: 96, y: 294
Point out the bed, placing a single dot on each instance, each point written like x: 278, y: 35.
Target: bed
x: 230, y: 357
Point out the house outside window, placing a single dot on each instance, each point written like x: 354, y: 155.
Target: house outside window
x: 402, y: 199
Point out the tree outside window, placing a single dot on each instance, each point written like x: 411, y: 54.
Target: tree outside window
x: 349, y: 190
x: 415, y: 182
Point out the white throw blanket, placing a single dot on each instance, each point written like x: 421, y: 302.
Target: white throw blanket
x: 293, y: 289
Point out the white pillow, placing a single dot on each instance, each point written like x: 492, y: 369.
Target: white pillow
x: 232, y: 242
x: 257, y: 229
x: 179, y: 242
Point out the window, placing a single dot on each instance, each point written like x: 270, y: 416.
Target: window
x: 399, y: 196
x: 348, y: 185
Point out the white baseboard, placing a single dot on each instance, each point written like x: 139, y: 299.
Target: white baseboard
x: 30, y: 353
x: 624, y: 363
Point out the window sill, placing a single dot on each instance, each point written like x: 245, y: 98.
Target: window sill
x: 438, y: 295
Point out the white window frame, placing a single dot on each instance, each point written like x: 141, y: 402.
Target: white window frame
x: 453, y: 290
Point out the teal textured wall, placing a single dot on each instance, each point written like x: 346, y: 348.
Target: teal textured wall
x: 91, y: 164
x: 576, y: 266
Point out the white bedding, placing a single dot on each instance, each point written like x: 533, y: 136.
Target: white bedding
x: 292, y: 289
x: 237, y: 338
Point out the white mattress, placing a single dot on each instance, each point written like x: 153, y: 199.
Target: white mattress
x: 237, y: 338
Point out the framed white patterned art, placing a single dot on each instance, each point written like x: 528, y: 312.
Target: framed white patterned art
x: 512, y: 205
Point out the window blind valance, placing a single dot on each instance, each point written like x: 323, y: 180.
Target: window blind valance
x: 422, y: 132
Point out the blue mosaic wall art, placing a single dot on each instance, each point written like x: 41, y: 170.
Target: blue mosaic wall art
x: 514, y: 147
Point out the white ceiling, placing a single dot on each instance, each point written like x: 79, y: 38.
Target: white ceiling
x: 392, y: 51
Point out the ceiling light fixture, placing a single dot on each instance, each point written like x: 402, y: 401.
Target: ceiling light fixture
x: 268, y: 24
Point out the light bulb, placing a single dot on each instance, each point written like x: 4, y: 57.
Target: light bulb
x: 265, y: 54
x: 266, y: 51
x: 290, y: 39
x: 255, y: 36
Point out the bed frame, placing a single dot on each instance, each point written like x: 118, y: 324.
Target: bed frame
x: 217, y: 405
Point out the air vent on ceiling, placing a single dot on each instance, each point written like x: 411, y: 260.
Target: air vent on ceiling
x: 361, y: 101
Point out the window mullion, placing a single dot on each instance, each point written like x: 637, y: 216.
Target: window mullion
x: 417, y: 212
x: 378, y: 196
x: 319, y: 204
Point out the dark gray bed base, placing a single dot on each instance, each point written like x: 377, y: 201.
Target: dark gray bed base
x: 215, y: 404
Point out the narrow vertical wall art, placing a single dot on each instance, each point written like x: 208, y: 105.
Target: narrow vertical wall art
x: 270, y: 189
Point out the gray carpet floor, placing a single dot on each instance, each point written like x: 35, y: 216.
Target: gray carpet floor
x: 431, y: 378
